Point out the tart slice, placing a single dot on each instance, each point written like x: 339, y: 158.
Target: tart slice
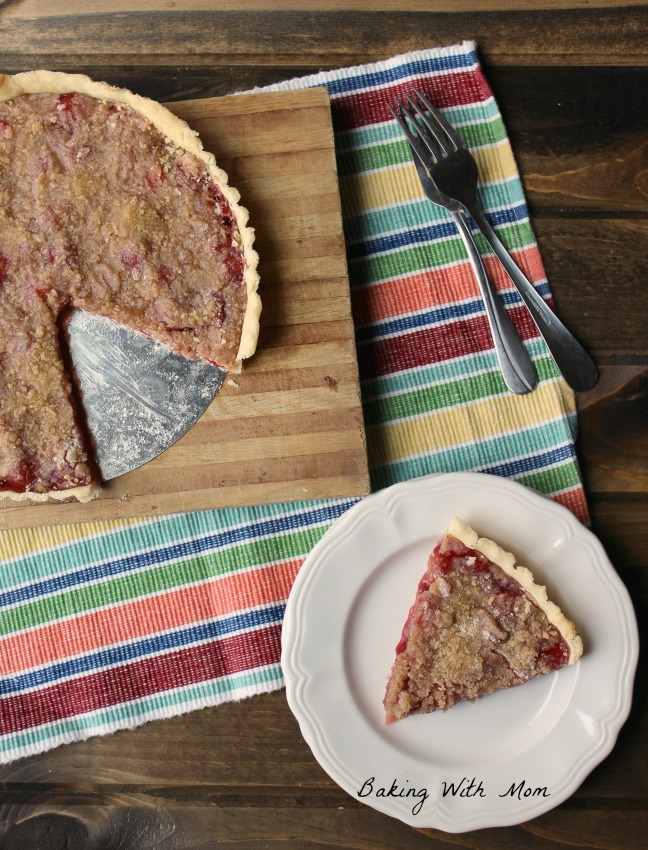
x: 479, y: 624
x: 108, y: 203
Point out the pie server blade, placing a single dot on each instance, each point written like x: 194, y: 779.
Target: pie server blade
x: 138, y: 397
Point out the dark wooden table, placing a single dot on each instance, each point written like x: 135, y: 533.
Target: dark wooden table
x: 571, y: 79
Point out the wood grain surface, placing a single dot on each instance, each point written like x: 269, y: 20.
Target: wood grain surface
x: 571, y: 79
x: 290, y: 426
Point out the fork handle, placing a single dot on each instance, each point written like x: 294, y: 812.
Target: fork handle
x: 575, y: 364
x: 515, y: 363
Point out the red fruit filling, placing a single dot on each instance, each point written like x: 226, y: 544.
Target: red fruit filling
x: 4, y: 268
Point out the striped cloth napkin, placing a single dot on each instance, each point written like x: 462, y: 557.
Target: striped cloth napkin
x: 104, y: 626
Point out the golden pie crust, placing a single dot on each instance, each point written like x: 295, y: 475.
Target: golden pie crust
x: 185, y: 145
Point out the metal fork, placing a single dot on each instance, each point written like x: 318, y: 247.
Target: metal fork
x: 453, y: 170
x: 513, y: 358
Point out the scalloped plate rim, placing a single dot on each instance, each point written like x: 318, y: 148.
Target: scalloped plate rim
x: 340, y: 534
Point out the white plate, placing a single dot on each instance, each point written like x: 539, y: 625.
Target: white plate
x: 503, y: 759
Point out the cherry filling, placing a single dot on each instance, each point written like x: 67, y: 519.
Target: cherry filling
x: 220, y: 311
x: 4, y: 268
x: 217, y: 202
x: 401, y: 646
x: 154, y: 176
x: 25, y: 479
x: 235, y: 265
x: 22, y: 478
x: 556, y: 655
x: 68, y: 109
x: 131, y: 258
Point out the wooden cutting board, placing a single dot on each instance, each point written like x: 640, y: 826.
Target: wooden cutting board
x: 290, y: 426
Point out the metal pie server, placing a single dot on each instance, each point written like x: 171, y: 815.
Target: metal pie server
x: 138, y: 397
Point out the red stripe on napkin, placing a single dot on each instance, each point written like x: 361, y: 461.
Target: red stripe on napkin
x: 435, y: 344
x: 371, y: 107
x: 130, y: 682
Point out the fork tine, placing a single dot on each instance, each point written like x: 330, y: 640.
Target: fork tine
x: 412, y: 138
x: 400, y: 118
x: 437, y: 140
x: 437, y: 115
x: 427, y: 145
